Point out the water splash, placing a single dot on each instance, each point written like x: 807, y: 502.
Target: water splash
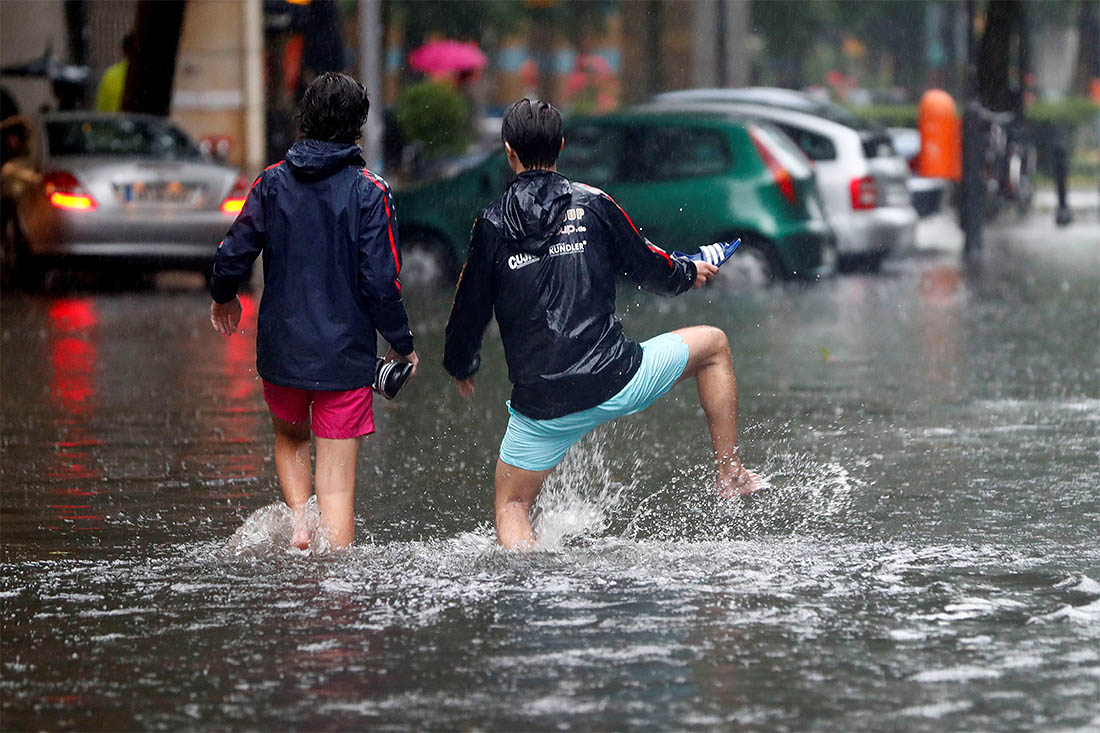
x: 585, y: 498
x: 269, y: 529
x: 579, y: 498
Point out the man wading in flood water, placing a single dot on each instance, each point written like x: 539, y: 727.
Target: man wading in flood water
x: 544, y: 257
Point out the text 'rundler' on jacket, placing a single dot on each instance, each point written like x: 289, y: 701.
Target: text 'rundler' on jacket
x: 328, y: 232
x: 544, y: 257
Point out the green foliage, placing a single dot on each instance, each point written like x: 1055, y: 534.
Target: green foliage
x: 888, y: 115
x: 435, y: 115
x: 1073, y: 111
x: 461, y: 19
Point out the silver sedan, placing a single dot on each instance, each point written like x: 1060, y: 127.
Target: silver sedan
x: 114, y: 190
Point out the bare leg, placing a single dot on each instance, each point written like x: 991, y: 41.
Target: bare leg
x: 295, y: 477
x: 711, y: 365
x: 336, y: 487
x: 516, y: 489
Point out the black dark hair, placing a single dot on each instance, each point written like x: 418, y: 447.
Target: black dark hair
x: 533, y: 130
x: 334, y: 108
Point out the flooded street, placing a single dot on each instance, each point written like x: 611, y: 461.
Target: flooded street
x: 925, y: 559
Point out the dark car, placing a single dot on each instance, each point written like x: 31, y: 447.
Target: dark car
x: 685, y: 179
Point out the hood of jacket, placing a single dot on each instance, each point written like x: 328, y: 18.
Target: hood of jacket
x: 313, y: 159
x: 532, y: 209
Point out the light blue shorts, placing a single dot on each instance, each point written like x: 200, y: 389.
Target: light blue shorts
x: 536, y: 445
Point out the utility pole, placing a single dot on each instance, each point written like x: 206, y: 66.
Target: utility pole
x: 370, y: 74
x: 255, y: 118
x: 972, y: 198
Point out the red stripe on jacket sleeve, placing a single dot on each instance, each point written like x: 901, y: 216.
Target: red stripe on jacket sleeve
x: 652, y: 248
x: 389, y: 225
x: 273, y: 165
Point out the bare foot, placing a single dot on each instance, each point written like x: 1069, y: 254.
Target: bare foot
x: 739, y: 484
x: 301, y: 536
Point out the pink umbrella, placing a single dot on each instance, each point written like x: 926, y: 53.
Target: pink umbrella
x: 441, y: 57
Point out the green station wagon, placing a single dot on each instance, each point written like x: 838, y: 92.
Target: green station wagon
x: 684, y: 179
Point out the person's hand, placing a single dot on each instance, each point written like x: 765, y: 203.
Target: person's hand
x: 410, y: 358
x: 225, y: 317
x: 465, y: 387
x: 704, y: 271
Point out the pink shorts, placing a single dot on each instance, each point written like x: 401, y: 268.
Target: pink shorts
x: 336, y: 415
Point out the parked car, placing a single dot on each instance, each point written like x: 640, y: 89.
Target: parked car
x: 686, y: 179
x: 927, y: 194
x: 115, y: 191
x: 435, y: 216
x: 766, y: 96
x: 863, y: 181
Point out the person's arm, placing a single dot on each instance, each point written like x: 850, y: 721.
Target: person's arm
x: 644, y: 262
x: 470, y: 312
x: 233, y: 261
x: 379, y: 267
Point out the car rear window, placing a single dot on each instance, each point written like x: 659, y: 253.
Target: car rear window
x: 877, y: 145
x: 119, y: 137
x: 673, y: 152
x: 591, y: 154
x: 816, y: 147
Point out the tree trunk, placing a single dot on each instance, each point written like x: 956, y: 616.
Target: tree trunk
x: 153, y: 68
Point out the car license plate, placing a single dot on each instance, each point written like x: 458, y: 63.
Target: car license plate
x: 158, y: 192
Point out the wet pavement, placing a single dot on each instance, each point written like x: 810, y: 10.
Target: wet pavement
x: 927, y: 558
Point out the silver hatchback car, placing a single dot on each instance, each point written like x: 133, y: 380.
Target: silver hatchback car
x: 115, y: 190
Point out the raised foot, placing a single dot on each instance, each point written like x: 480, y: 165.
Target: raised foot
x: 739, y: 484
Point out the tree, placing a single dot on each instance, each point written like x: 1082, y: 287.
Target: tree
x: 152, y: 70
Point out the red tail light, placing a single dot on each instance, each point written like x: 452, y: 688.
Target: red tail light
x: 234, y: 202
x: 65, y: 192
x: 864, y: 193
x: 782, y: 176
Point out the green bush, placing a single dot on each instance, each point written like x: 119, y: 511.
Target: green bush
x: 888, y: 115
x: 1074, y: 111
x: 435, y: 115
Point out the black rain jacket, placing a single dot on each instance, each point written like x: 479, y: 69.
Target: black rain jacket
x: 544, y: 257
x: 328, y: 233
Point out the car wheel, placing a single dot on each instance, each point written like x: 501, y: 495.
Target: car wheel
x: 426, y: 262
x: 752, y: 265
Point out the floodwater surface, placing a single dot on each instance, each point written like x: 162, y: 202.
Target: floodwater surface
x: 925, y: 559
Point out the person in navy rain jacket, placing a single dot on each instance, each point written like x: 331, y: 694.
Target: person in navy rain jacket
x: 327, y: 229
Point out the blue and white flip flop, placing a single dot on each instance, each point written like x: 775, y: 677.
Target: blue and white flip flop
x: 714, y: 254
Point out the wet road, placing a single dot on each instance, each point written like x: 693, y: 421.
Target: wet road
x: 927, y: 559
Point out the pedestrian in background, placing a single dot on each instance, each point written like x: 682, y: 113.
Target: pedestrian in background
x: 326, y: 227
x: 112, y: 85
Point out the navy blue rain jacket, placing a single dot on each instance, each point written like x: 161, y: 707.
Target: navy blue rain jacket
x: 544, y: 258
x: 328, y: 233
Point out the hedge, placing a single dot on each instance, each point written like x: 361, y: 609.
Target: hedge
x: 1074, y: 111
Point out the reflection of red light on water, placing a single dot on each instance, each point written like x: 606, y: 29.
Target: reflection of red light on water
x: 72, y: 360
x: 238, y: 392
x: 72, y: 314
x: 73, y: 354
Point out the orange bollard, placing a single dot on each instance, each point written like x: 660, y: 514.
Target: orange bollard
x: 940, y: 136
